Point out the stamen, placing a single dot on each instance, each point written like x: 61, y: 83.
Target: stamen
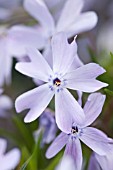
x: 56, y: 82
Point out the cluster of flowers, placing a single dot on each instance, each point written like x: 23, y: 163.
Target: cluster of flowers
x: 57, y: 68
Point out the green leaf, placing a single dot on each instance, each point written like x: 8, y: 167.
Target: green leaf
x: 109, y: 92
x: 26, y: 163
x: 111, y: 54
x: 33, y: 160
x: 25, y: 133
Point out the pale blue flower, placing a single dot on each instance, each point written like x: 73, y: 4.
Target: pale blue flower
x: 57, y: 80
x: 92, y: 137
x: 75, y: 23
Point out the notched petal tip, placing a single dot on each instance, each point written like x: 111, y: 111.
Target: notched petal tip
x: 27, y: 120
x: 17, y: 66
x: 105, y: 84
x: 94, y: 17
x: 31, y: 116
x: 48, y: 155
x: 18, y: 109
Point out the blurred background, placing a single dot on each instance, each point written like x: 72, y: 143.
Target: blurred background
x: 93, y: 46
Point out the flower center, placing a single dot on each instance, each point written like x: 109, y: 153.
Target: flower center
x: 56, y: 82
x: 74, y: 129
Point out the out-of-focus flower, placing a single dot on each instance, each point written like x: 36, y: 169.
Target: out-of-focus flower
x: 83, y: 45
x: 57, y: 80
x: 76, y: 22
x: 92, y: 137
x: 10, y: 47
x: 7, y: 8
x: 66, y: 163
x: 55, y: 8
x: 5, y: 104
x: 5, y: 57
x: 48, y: 126
x: 10, y: 159
x: 98, y: 162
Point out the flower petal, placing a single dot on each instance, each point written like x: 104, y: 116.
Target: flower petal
x: 64, y: 21
x: 86, y: 85
x: 76, y: 63
x: 36, y: 100
x: 5, y: 63
x: 55, y: 7
x: 73, y: 149
x: 5, y: 102
x: 88, y: 71
x: 67, y: 110
x: 83, y: 78
x: 38, y: 67
x: 65, y: 163
x: 8, y: 69
x: 63, y: 53
x: 7, y: 163
x: 106, y: 162
x: 93, y: 164
x: 96, y: 140
x: 80, y: 97
x: 39, y: 11
x: 83, y: 22
x: 93, y: 107
x: 47, y: 53
x: 57, y: 145
x: 23, y: 37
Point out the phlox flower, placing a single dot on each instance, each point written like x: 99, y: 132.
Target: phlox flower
x: 75, y: 23
x: 48, y: 126
x: 92, y: 137
x: 57, y: 80
x: 10, y: 159
x: 9, y: 48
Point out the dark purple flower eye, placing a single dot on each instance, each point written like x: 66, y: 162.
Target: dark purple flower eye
x: 74, y: 129
x: 56, y: 82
